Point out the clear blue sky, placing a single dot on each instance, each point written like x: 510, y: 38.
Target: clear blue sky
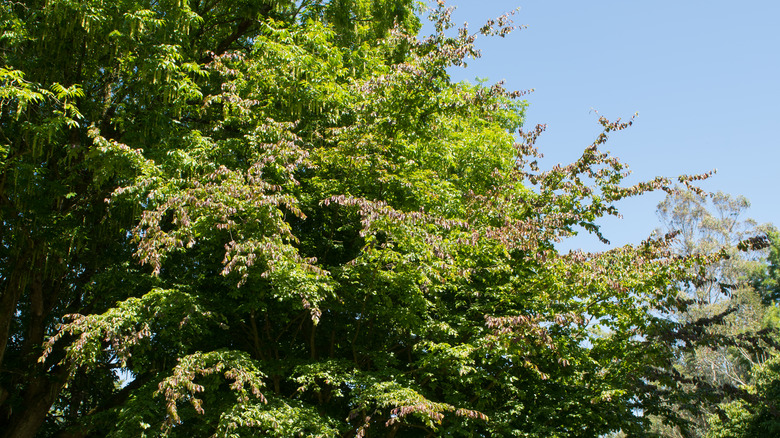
x: 704, y: 77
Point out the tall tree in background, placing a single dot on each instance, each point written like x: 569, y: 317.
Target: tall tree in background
x: 728, y: 292
x: 741, y: 418
x: 283, y: 219
x: 707, y: 225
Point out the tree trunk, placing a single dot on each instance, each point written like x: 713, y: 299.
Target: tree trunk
x: 38, y: 398
x: 12, y: 292
x: 39, y: 389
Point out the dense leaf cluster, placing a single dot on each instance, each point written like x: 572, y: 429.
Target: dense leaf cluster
x: 277, y: 218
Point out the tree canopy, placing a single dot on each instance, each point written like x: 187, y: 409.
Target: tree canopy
x: 736, y: 352
x: 281, y: 218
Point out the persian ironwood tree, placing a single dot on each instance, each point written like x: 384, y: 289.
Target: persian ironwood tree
x: 281, y: 218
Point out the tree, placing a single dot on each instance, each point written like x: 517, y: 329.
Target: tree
x: 740, y: 418
x: 740, y: 342
x: 283, y: 219
x: 707, y: 225
x: 767, y: 280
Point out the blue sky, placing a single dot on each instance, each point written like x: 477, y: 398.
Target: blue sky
x: 704, y: 77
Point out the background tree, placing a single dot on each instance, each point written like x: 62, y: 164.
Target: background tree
x: 736, y: 346
x: 283, y: 219
x: 707, y: 225
x: 741, y: 418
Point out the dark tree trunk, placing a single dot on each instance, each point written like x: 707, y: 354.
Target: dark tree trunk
x: 38, y: 398
x: 12, y: 292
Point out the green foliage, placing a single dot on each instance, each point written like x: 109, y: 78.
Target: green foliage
x: 743, y: 419
x: 758, y: 416
x: 720, y: 372
x: 766, y: 280
x: 283, y: 219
